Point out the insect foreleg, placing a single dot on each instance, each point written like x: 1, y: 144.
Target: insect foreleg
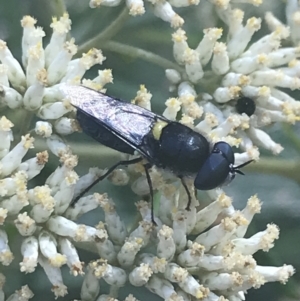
x: 187, y: 192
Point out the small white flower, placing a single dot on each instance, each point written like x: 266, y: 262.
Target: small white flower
x: 166, y: 245
x: 140, y: 275
x: 30, y: 254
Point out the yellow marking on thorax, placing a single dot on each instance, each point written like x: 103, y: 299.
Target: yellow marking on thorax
x: 157, y: 129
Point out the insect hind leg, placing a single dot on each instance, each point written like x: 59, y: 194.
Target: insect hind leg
x: 102, y: 177
x: 147, y: 167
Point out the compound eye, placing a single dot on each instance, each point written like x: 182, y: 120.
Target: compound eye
x: 213, y: 173
x: 226, y: 150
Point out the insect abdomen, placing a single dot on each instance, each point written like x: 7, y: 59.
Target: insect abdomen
x: 92, y: 128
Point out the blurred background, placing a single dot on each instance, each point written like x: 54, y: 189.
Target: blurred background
x: 280, y: 195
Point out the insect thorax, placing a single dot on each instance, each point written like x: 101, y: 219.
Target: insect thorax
x: 179, y: 149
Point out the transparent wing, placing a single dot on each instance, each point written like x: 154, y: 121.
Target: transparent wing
x: 127, y: 121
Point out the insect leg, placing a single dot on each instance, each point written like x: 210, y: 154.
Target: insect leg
x: 187, y: 192
x: 147, y: 166
x: 110, y: 170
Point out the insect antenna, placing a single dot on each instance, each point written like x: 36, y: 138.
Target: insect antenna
x: 238, y: 171
x: 110, y: 170
x: 236, y: 168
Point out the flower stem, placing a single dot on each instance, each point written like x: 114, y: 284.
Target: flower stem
x: 26, y: 120
x: 106, y: 34
x: 135, y: 52
x: 58, y: 8
x: 290, y: 134
x: 282, y: 167
x: 96, y: 152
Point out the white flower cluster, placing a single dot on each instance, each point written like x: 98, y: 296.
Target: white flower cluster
x: 29, y: 209
x: 217, y: 264
x: 46, y: 67
x: 165, y: 259
x: 235, y: 71
x: 164, y: 9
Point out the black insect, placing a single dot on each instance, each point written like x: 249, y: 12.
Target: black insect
x: 167, y: 144
x: 245, y: 105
